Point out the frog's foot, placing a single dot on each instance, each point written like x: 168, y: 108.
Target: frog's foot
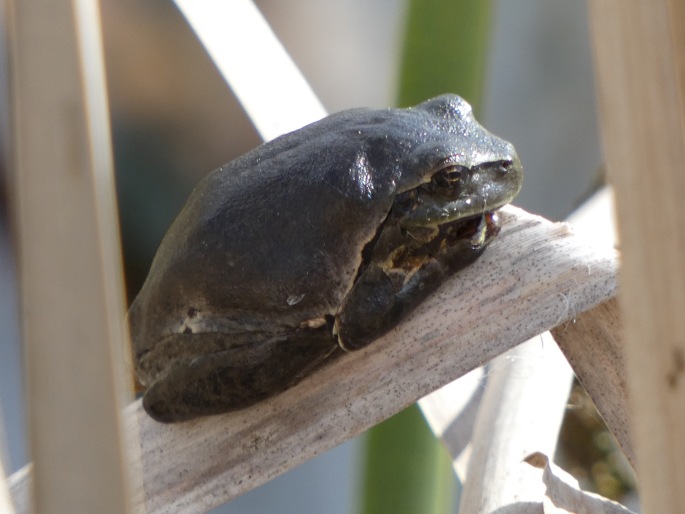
x: 225, y: 381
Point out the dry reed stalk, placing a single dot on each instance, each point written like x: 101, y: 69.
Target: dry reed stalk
x: 69, y: 258
x: 639, y: 60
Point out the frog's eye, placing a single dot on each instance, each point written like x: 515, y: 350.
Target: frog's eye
x: 448, y: 177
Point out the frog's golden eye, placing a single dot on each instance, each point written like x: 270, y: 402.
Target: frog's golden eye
x: 448, y: 177
x: 454, y: 173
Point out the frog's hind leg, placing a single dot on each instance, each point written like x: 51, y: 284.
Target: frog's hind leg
x: 236, y: 378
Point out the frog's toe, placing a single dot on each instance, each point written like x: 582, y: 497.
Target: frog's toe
x: 211, y: 384
x: 156, y: 406
x: 166, y: 403
x: 228, y: 380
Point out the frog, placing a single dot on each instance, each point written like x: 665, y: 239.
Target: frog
x: 314, y: 244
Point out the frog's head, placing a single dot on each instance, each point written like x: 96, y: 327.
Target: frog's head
x: 456, y: 173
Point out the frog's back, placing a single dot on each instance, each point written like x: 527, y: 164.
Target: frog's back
x: 241, y: 244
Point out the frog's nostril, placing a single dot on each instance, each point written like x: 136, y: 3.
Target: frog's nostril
x: 504, y: 167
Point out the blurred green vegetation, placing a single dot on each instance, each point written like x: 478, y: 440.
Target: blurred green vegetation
x: 445, y: 50
x: 407, y: 469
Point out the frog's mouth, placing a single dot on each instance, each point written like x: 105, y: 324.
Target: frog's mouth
x: 455, y: 243
x: 478, y: 230
x: 473, y: 232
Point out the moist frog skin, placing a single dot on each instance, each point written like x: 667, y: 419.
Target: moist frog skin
x: 319, y: 241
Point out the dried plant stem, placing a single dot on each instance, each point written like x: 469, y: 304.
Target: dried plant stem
x: 639, y: 56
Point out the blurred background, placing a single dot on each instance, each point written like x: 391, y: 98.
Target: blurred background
x: 174, y: 120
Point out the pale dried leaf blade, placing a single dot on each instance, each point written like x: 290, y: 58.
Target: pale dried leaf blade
x: 5, y: 500
x: 509, y: 426
x: 535, y: 275
x: 254, y: 63
x: 592, y: 342
x: 564, y: 495
x: 451, y: 413
x: 20, y: 484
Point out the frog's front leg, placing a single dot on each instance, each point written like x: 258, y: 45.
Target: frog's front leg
x: 381, y: 297
x: 236, y: 378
